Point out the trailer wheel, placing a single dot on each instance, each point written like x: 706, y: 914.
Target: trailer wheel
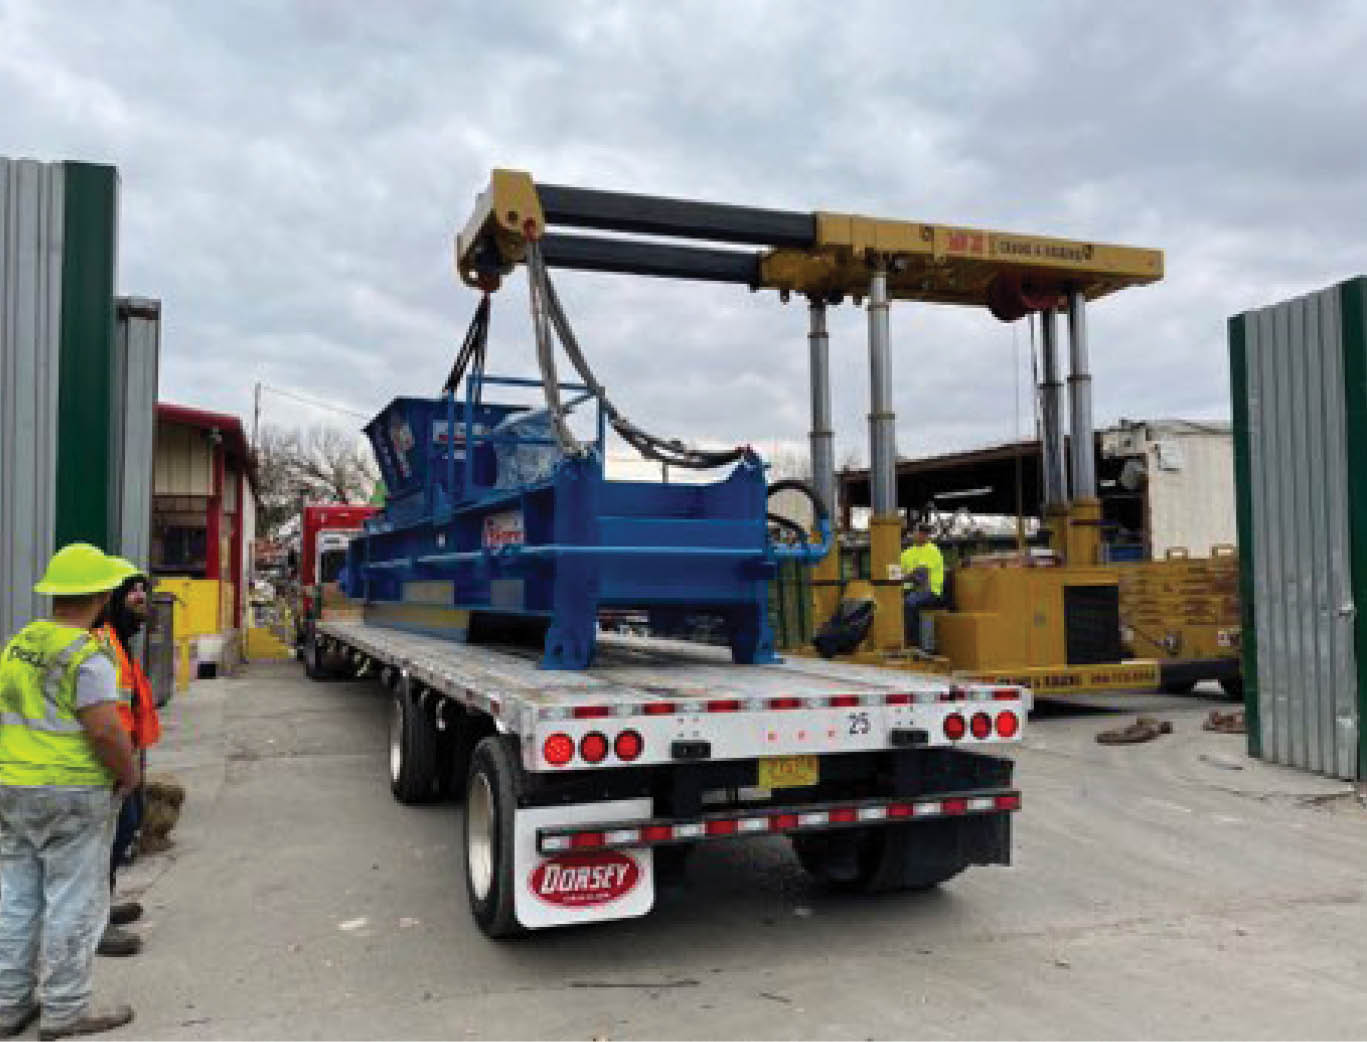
x: 412, y: 749
x: 455, y: 746
x: 490, y: 804
x: 315, y: 664
x: 881, y: 860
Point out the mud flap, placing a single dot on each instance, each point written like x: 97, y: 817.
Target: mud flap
x: 561, y: 889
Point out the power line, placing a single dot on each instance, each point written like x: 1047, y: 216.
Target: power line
x: 316, y: 402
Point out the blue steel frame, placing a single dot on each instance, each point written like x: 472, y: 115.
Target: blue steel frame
x: 582, y: 542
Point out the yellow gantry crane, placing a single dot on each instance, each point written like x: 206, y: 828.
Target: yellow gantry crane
x: 1007, y: 621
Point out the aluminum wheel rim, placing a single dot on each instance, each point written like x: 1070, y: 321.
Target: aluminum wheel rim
x: 395, y: 740
x: 479, y: 836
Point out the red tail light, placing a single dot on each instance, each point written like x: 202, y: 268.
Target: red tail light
x: 1008, y: 724
x: 982, y: 725
x: 558, y: 750
x: 593, y: 747
x: 628, y: 745
x: 954, y: 727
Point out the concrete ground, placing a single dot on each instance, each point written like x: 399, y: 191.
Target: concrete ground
x: 1172, y: 889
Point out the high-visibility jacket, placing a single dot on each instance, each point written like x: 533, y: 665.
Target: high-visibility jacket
x: 42, y: 741
x: 137, y: 707
x: 926, y: 556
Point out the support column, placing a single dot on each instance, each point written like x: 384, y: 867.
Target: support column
x: 1084, y: 529
x: 1055, y: 510
x: 826, y: 573
x: 885, y: 527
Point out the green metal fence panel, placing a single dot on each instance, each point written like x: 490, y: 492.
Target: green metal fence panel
x: 1299, y: 381
x: 84, y: 456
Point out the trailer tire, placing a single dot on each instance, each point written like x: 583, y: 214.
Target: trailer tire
x: 490, y: 808
x: 412, y: 749
x: 315, y: 658
x: 884, y: 859
x: 455, y: 747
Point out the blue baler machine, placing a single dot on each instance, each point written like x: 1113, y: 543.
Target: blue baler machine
x: 491, y: 527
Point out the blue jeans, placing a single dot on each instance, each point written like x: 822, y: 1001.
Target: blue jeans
x: 126, y: 834
x: 916, y: 601
x: 54, y: 896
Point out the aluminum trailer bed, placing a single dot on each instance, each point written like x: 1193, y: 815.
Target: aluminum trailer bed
x: 575, y: 780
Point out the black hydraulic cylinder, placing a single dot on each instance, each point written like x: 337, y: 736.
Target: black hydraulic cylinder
x: 634, y: 257
x: 683, y: 218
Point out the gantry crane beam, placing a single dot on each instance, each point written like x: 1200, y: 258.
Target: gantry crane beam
x: 823, y: 255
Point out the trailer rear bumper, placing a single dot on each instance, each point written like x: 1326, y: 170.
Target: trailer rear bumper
x: 592, y: 836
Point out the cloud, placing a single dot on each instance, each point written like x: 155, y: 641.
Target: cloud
x: 292, y: 177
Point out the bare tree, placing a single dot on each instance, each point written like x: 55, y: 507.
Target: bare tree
x: 317, y: 465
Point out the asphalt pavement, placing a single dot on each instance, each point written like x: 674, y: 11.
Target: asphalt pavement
x: 1172, y: 889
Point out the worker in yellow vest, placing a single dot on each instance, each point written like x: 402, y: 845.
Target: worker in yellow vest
x: 923, y: 580
x: 66, y: 762
x: 118, y: 624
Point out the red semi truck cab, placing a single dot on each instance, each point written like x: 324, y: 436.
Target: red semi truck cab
x: 327, y: 529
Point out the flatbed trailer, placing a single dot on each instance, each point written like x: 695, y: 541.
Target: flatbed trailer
x: 581, y: 786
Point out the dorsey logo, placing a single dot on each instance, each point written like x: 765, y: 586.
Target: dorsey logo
x: 585, y: 879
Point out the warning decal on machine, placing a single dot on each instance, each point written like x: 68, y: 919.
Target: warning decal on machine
x: 504, y: 529
x: 585, y: 879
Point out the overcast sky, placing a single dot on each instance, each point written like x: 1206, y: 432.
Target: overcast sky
x: 292, y: 176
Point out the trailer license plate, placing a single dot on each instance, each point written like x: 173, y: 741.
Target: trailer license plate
x: 788, y: 772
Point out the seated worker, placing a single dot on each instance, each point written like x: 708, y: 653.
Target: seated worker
x: 923, y: 580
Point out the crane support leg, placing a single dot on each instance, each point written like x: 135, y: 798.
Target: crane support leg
x: 885, y: 527
x: 1051, y: 434
x: 826, y: 573
x: 1084, y: 528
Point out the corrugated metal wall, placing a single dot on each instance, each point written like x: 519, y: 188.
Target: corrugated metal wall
x: 137, y: 354
x: 31, y: 251
x: 1295, y: 521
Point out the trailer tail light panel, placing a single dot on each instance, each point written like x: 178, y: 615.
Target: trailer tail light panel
x: 606, y: 734
x: 778, y: 820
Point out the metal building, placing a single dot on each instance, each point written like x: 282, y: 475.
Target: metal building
x: 77, y: 402
x: 1298, y: 375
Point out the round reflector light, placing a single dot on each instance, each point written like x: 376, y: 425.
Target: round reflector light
x: 593, y: 747
x: 628, y: 745
x: 982, y: 725
x: 954, y: 727
x: 558, y: 749
x: 1008, y: 724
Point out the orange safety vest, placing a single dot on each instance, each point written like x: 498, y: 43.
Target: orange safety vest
x: 137, y: 707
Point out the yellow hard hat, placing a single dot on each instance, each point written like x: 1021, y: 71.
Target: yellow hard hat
x: 80, y: 568
x: 127, y: 568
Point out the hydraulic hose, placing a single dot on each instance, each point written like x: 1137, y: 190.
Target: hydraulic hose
x: 671, y: 451
x: 805, y: 550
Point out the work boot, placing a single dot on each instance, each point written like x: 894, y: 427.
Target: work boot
x: 115, y: 941
x: 124, y: 913
x: 92, y: 1022
x: 14, y: 1021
